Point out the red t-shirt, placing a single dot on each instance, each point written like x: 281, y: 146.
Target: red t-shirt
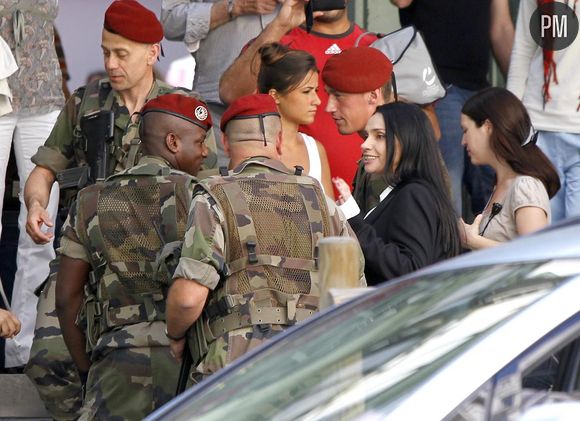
x: 343, y: 150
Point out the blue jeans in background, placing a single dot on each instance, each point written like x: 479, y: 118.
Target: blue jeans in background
x: 563, y: 149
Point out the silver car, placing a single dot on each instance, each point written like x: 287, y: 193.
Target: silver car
x: 484, y: 336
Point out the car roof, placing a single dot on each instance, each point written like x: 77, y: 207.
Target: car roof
x: 513, y: 336
x: 558, y: 241
x: 561, y: 241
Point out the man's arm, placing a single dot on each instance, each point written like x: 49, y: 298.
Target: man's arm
x: 523, y: 50
x: 241, y: 77
x: 501, y: 34
x: 36, y: 195
x: 191, y: 21
x: 185, y: 302
x: 202, y: 255
x: 72, y: 277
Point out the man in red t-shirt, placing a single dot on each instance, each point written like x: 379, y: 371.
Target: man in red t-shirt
x: 332, y: 32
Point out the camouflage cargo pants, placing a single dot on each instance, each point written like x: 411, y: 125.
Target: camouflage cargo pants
x: 129, y: 382
x: 50, y: 366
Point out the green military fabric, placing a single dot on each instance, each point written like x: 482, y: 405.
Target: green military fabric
x: 265, y: 287
x: 125, y: 223
x: 63, y: 149
x: 133, y: 375
x: 59, y: 387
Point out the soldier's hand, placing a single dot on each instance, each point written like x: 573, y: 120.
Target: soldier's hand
x: 37, y: 217
x: 176, y: 349
x: 9, y: 325
x: 253, y: 7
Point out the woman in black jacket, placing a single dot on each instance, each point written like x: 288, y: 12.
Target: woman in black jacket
x: 414, y: 225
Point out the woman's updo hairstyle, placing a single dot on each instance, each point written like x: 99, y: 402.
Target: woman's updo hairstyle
x: 282, y: 68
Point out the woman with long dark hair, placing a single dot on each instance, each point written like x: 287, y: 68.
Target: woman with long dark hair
x: 291, y: 78
x: 497, y: 131
x: 414, y: 224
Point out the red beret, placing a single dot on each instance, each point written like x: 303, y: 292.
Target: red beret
x: 357, y: 70
x: 185, y: 107
x: 133, y: 21
x: 249, y: 106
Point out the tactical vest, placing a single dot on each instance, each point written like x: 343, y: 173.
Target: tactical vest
x: 134, y: 226
x: 274, y: 221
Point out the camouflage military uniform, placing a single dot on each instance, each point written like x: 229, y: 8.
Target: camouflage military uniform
x: 122, y: 227
x: 62, y: 149
x: 251, y: 240
x: 50, y: 366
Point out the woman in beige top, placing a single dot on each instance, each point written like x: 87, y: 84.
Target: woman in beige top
x: 497, y: 131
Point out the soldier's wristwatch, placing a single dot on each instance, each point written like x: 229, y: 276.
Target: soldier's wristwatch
x: 173, y: 338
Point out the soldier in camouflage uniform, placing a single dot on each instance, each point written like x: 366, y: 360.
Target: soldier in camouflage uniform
x: 250, y: 246
x: 116, y: 247
x: 130, y: 40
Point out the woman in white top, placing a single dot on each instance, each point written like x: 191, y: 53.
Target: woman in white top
x: 291, y: 78
x: 497, y: 131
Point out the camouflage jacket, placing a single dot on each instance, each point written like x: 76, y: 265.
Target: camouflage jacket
x: 277, y: 277
x: 63, y: 149
x: 123, y: 228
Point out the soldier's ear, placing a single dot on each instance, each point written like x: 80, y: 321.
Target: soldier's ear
x: 374, y: 96
x: 172, y: 142
x: 153, y: 54
x: 226, y: 143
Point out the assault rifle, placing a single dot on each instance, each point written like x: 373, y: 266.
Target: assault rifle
x: 98, y: 129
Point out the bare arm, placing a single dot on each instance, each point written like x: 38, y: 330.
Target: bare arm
x: 185, y: 302
x: 501, y: 34
x: 36, y: 195
x: 192, y: 21
x: 530, y: 219
x: 72, y: 277
x: 523, y: 51
x: 240, y: 78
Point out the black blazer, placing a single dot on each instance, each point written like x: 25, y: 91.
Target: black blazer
x: 402, y: 234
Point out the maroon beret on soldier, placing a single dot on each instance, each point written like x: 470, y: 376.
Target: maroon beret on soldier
x: 133, y: 21
x: 256, y: 117
x: 249, y: 106
x: 181, y: 106
x: 357, y: 70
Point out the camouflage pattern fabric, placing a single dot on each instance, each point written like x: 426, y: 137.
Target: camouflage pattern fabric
x: 132, y: 374
x: 285, y: 216
x: 126, y: 221
x: 61, y: 151
x: 50, y: 366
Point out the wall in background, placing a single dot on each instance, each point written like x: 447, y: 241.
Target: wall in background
x: 80, y: 23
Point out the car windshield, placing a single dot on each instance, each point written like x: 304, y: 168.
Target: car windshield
x: 371, y: 353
